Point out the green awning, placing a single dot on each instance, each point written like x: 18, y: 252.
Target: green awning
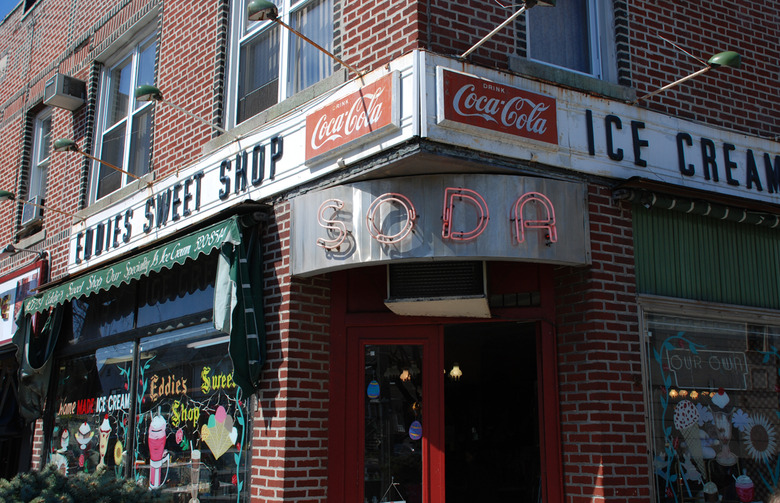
x: 163, y: 257
x: 238, y: 304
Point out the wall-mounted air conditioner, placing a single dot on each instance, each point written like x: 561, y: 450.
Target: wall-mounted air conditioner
x: 438, y: 289
x: 32, y: 213
x: 64, y: 92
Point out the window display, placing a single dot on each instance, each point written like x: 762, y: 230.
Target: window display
x: 144, y: 387
x: 714, y: 409
x: 92, y: 411
x: 186, y: 434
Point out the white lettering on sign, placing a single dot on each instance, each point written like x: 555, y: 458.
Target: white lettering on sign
x: 359, y: 117
x: 368, y: 110
x: 520, y: 113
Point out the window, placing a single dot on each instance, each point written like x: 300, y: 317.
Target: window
x: 143, y: 387
x: 713, y: 403
x: 41, y: 154
x: 125, y: 125
x: 273, y: 63
x: 572, y: 35
x: 39, y: 166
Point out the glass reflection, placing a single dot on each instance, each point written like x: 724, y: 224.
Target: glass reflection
x: 714, y: 409
x: 393, y: 423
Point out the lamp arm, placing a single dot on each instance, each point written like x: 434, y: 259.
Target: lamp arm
x: 199, y: 118
x: 495, y: 30
x: 67, y: 214
x: 676, y: 82
x: 322, y: 49
x: 101, y: 161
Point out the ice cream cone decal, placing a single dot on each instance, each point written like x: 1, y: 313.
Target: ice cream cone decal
x: 84, y: 435
x: 686, y: 420
x: 219, y: 434
x: 104, y: 433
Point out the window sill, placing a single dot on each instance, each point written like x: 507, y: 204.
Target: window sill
x: 118, y: 195
x: 269, y: 114
x: 570, y: 79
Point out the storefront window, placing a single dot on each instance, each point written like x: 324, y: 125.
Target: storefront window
x: 191, y: 428
x: 144, y: 386
x: 714, y: 408
x: 92, y: 411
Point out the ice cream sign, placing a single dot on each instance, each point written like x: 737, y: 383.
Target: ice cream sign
x: 707, y: 369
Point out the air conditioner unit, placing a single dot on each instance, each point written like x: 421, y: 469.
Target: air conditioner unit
x: 438, y: 289
x: 31, y: 213
x: 64, y: 92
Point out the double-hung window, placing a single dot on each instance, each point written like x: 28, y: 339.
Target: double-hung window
x: 125, y: 124
x: 575, y: 35
x: 272, y: 63
x: 41, y: 154
x: 39, y: 167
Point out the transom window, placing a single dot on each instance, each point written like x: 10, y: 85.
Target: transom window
x: 271, y: 62
x: 125, y: 124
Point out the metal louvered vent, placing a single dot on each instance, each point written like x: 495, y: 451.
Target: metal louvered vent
x: 436, y: 279
x: 438, y: 289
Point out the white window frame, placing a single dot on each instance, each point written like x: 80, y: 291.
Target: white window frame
x: 129, y: 50
x: 603, y: 54
x: 39, y: 168
x: 242, y: 31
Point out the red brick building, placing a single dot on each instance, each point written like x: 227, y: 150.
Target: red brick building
x: 424, y: 269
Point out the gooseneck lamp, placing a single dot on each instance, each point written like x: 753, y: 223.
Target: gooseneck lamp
x: 11, y: 250
x: 68, y: 145
x: 526, y: 5
x: 263, y: 10
x: 727, y: 58
x: 6, y: 195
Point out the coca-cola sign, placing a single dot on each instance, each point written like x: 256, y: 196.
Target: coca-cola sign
x: 353, y: 119
x: 485, y: 104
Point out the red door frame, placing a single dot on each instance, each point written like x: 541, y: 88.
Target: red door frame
x: 344, y: 432
x: 428, y: 337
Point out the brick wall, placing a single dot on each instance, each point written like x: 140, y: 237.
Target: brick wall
x: 601, y: 399
x: 374, y: 33
x: 744, y: 99
x: 289, y: 444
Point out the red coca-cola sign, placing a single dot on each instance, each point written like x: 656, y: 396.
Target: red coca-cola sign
x: 485, y: 104
x: 350, y: 118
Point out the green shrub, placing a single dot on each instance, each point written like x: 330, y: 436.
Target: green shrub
x: 50, y: 486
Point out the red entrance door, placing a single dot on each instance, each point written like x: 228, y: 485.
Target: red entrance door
x: 396, y: 453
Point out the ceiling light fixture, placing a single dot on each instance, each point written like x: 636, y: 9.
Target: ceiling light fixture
x: 263, y: 10
x: 68, y: 145
x: 152, y: 93
x: 456, y: 373
x: 727, y: 58
x: 6, y: 195
x: 526, y: 5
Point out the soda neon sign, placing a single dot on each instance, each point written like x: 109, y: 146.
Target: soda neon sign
x: 532, y: 210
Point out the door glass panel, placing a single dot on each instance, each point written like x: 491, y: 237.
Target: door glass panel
x: 393, y: 424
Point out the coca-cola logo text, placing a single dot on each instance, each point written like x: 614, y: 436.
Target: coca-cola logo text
x: 487, y: 105
x: 350, y: 118
x: 362, y: 114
